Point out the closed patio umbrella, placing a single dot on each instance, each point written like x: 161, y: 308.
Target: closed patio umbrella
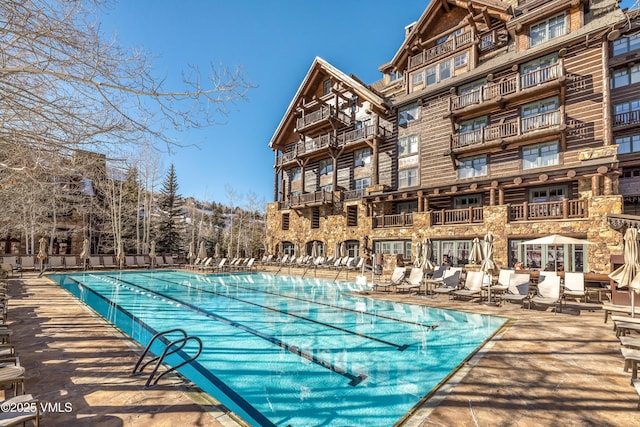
x: 418, y: 260
x: 192, y: 248
x: 42, y: 252
x: 85, y: 253
x: 343, y: 249
x: 427, y: 265
x: 152, y: 252
x: 216, y: 252
x: 314, y: 249
x: 488, y: 265
x: 120, y: 253
x: 475, y: 257
x: 628, y: 275
x: 202, y: 251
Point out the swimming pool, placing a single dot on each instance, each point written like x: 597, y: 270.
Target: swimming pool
x: 281, y: 350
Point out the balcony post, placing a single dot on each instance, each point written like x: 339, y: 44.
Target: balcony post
x: 500, y: 196
x: 470, y: 214
x: 492, y: 197
x: 442, y: 218
x: 525, y: 210
x: 420, y: 200
x: 595, y: 185
x: 565, y: 208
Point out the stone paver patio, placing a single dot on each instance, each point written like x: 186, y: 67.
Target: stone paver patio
x: 542, y: 369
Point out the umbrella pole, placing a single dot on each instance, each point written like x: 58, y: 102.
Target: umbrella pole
x: 633, y: 302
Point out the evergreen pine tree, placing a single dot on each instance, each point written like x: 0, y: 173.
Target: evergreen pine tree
x: 170, y: 223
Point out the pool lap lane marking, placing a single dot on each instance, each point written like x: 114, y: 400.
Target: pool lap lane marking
x: 354, y: 379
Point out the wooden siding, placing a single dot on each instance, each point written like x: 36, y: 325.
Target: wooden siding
x: 584, y: 101
x: 436, y: 168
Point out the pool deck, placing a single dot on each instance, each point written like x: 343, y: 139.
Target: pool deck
x: 542, y: 369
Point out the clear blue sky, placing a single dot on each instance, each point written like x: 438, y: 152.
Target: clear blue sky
x: 275, y: 41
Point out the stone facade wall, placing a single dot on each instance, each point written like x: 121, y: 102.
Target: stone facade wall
x: 333, y: 229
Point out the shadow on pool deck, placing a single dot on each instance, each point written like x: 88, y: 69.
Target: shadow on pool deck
x: 76, y: 362
x: 544, y: 369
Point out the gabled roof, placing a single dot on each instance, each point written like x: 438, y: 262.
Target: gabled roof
x: 320, y: 66
x: 496, y: 8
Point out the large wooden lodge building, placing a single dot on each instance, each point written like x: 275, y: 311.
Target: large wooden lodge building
x: 519, y: 118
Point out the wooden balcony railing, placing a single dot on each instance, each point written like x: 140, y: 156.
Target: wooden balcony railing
x: 397, y: 220
x: 349, y: 195
x: 361, y: 134
x: 563, y: 209
x: 323, y: 114
x: 428, y: 55
x: 315, y: 198
x: 510, y: 84
x: 626, y: 119
x: 457, y: 216
x: 491, y: 133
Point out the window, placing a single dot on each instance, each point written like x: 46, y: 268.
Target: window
x: 626, y: 112
x: 296, y: 174
x: 325, y: 166
x: 628, y: 144
x: 461, y: 60
x: 326, y: 87
x: 361, y: 184
x: 445, y: 70
x: 285, y: 221
x: 395, y: 75
x: 327, y: 188
x: 353, y: 103
x: 406, y: 207
x: 473, y: 167
x: 432, y: 77
x: 473, y: 124
x: 408, y: 145
x: 540, y: 155
x: 553, y: 193
x: 352, y: 216
x: 361, y: 157
x: 539, y: 71
x: 626, y: 44
x: 417, y: 78
x: 457, y: 251
x: 472, y: 200
x: 408, y: 178
x: 408, y: 114
x: 570, y: 257
x: 547, y: 30
x: 625, y: 76
x: 315, y: 217
x: 393, y: 247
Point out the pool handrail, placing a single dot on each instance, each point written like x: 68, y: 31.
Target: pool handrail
x: 146, y: 350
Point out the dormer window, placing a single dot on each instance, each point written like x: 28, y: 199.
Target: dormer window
x: 626, y: 44
x: 548, y: 29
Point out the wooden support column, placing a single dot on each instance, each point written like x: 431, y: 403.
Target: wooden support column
x: 608, y: 185
x: 334, y: 174
x: 595, y: 185
x: 277, y: 178
x: 492, y: 197
x: 420, y: 201
x: 500, y: 196
x: 302, y: 177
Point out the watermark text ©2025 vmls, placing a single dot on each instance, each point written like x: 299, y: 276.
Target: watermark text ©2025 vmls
x: 43, y: 407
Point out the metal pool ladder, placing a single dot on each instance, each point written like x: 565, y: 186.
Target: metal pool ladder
x: 171, y: 347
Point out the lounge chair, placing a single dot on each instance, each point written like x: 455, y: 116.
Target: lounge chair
x: 548, y: 291
x: 169, y: 261
x: 71, y: 262
x: 573, y: 286
x: 416, y: 276
x: 30, y: 412
x: 108, y: 261
x: 158, y: 261
x: 518, y: 288
x: 203, y: 265
x: 472, y: 285
x: 502, y: 285
x: 94, y: 262
x: 396, y: 278
x: 56, y: 262
x: 249, y: 266
x: 450, y: 281
x: 142, y: 261
x: 27, y: 262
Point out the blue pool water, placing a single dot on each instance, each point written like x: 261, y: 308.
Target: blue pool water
x: 289, y: 351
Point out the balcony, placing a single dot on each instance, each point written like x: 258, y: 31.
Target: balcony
x: 509, y: 85
x: 439, y: 51
x: 397, y: 220
x: 309, y: 146
x: 563, y: 209
x: 323, y: 117
x: 350, y: 195
x: 315, y: 198
x: 493, y: 134
x: 628, y: 119
x: 362, y: 134
x: 469, y: 215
